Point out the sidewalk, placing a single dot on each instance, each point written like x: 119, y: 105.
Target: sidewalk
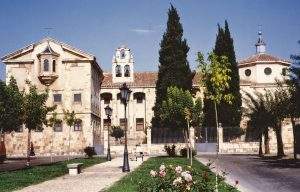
x: 92, y: 179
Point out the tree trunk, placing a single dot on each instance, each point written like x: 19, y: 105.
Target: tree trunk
x: 294, y: 134
x: 28, y: 147
x: 186, y: 143
x: 260, y: 152
x: 280, y: 151
x: 217, y: 125
x: 267, y: 141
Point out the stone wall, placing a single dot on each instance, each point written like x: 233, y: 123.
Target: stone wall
x: 242, y: 147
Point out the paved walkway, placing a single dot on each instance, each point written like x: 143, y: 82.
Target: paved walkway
x: 258, y: 175
x: 93, y: 179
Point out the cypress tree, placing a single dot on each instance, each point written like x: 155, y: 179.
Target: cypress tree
x: 230, y: 114
x: 174, y: 69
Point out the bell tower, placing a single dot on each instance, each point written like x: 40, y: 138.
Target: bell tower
x: 260, y: 45
x: 122, y: 65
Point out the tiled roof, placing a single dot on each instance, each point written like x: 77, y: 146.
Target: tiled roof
x: 261, y: 58
x: 141, y: 79
x: 148, y: 79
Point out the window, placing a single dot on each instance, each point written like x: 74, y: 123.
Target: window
x: 57, y: 127
x: 126, y: 71
x: 268, y: 71
x: 77, y: 98
x: 46, y: 65
x: 139, y: 124
x: 106, y: 123
x: 78, y: 125
x: 118, y: 71
x: 122, y: 54
x: 122, y: 123
x: 54, y: 66
x: 107, y: 97
x: 247, y: 72
x: 57, y: 98
x: 139, y: 96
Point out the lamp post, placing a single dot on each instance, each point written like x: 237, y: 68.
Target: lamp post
x: 125, y: 94
x: 108, y: 112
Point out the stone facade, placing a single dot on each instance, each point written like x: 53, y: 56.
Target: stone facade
x: 76, y: 82
x: 72, y: 77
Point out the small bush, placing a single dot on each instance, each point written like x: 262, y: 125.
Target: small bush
x: 90, y: 151
x: 183, y: 152
x: 170, y: 149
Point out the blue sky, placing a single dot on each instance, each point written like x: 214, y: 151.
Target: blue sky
x: 99, y: 27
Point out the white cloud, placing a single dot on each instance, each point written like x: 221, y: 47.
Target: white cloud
x: 142, y: 31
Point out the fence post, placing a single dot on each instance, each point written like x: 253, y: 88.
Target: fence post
x: 148, y: 141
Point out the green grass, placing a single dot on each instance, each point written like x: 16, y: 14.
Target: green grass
x: 130, y: 182
x: 12, y: 180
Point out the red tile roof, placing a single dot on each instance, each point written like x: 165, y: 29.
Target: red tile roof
x: 147, y: 79
x: 263, y: 58
x: 141, y: 79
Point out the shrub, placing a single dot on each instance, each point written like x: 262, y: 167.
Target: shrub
x: 90, y: 151
x: 117, y: 132
x: 170, y: 149
x: 183, y: 152
x: 180, y: 179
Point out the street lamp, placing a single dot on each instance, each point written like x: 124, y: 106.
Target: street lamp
x: 108, y: 112
x: 125, y: 94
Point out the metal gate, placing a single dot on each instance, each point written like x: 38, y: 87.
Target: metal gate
x: 206, y: 139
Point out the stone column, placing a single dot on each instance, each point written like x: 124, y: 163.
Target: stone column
x: 148, y: 141
x: 192, y: 137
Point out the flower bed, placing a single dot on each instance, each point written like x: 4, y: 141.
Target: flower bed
x: 170, y: 174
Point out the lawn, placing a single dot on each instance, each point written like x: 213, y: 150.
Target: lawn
x: 12, y: 180
x: 130, y: 182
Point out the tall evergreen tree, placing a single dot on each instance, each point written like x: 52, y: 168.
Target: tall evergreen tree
x: 231, y: 113
x: 174, y: 69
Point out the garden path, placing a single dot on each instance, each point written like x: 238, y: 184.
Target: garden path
x: 92, y: 179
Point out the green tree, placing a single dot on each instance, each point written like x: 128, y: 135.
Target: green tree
x: 176, y: 110
x: 224, y: 46
x: 174, y: 69
x: 276, y: 107
x: 215, y: 79
x: 259, y: 117
x: 11, y: 100
x: 35, y: 112
x: 70, y: 119
x: 294, y: 88
x: 11, y: 111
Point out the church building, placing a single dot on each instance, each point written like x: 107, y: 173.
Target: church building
x: 76, y: 82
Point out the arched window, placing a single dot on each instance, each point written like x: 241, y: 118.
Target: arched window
x: 54, y: 66
x: 122, y: 54
x: 118, y: 71
x: 126, y: 71
x: 46, y: 65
